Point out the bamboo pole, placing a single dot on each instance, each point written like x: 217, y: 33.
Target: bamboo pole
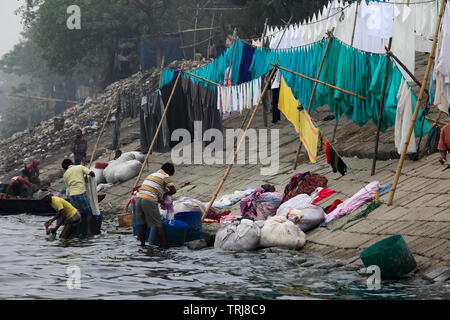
x: 155, y: 136
x: 389, y: 52
x: 193, y: 75
x: 113, y: 103
x: 333, y: 138
x: 210, y: 37
x: 195, y: 32
x: 321, y: 82
x: 380, y: 112
x: 162, y: 69
x: 239, y: 146
x: 181, y: 40
x: 16, y: 95
x: 281, y: 38
x: 416, y: 110
x: 311, y: 98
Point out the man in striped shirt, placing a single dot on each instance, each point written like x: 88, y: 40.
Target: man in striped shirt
x: 150, y: 194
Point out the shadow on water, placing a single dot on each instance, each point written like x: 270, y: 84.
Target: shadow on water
x: 114, y: 266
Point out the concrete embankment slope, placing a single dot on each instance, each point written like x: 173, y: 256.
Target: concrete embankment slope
x: 420, y: 211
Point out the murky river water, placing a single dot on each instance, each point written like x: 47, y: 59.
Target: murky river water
x: 114, y: 266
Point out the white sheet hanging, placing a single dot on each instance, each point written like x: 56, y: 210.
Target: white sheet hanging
x: 403, y: 38
x: 403, y: 119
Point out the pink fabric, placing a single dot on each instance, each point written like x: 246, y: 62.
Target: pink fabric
x: 267, y: 205
x: 353, y: 203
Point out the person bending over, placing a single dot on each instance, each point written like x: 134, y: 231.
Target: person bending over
x: 149, y: 195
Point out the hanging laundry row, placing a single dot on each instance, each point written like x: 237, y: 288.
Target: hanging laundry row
x: 442, y: 66
x: 239, y: 97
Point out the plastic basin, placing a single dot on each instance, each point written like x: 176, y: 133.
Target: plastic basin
x: 194, y: 224
x: 175, y: 231
x: 391, y: 255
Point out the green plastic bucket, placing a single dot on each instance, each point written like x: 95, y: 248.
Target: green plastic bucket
x: 391, y: 255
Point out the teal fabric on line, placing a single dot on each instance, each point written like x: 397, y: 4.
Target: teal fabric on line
x: 345, y: 67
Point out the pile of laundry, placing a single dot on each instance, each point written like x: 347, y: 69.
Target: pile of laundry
x: 273, y: 219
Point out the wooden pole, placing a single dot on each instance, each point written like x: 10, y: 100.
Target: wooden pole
x: 181, y: 40
x: 195, y: 32
x: 284, y: 31
x: 210, y: 37
x: 162, y: 69
x: 15, y: 95
x: 380, y: 112
x: 333, y: 138
x: 311, y: 98
x: 265, y: 106
x: 157, y: 132
x: 389, y: 52
x: 193, y: 75
x: 113, y: 103
x: 239, y: 145
x: 321, y: 82
x: 416, y: 110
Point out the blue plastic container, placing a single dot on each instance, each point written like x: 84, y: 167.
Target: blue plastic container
x: 136, y: 227
x: 194, y: 222
x: 175, y: 231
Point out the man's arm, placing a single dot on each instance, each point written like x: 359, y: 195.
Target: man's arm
x: 62, y: 215
x: 8, y: 189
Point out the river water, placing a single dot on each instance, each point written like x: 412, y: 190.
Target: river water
x: 114, y: 266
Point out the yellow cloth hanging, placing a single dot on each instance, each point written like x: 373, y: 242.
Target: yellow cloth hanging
x: 309, y: 134
x: 288, y: 104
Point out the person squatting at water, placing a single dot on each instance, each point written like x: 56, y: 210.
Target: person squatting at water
x: 76, y: 183
x: 149, y: 195
x: 66, y: 214
x: 19, y: 186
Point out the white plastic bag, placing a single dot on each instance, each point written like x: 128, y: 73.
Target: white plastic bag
x: 99, y: 176
x: 239, y: 235
x: 280, y: 232
x: 127, y: 170
x: 307, y: 218
x: 298, y: 202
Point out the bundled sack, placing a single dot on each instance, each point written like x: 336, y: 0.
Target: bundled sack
x: 298, y: 202
x: 280, y: 232
x: 121, y: 171
x: 267, y: 204
x: 133, y: 155
x: 240, y: 234
x: 307, y: 218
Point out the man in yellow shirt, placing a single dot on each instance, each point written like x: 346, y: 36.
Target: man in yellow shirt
x: 66, y: 214
x: 76, y: 183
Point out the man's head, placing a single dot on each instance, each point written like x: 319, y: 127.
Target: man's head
x: 35, y: 162
x: 78, y: 132
x: 66, y: 163
x: 44, y: 195
x: 168, y: 168
x: 118, y: 154
x: 25, y: 173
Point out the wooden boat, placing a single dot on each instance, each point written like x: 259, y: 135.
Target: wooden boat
x: 36, y: 207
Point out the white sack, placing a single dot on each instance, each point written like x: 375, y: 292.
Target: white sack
x: 239, y: 235
x: 307, y: 218
x: 280, y: 232
x: 298, y: 202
